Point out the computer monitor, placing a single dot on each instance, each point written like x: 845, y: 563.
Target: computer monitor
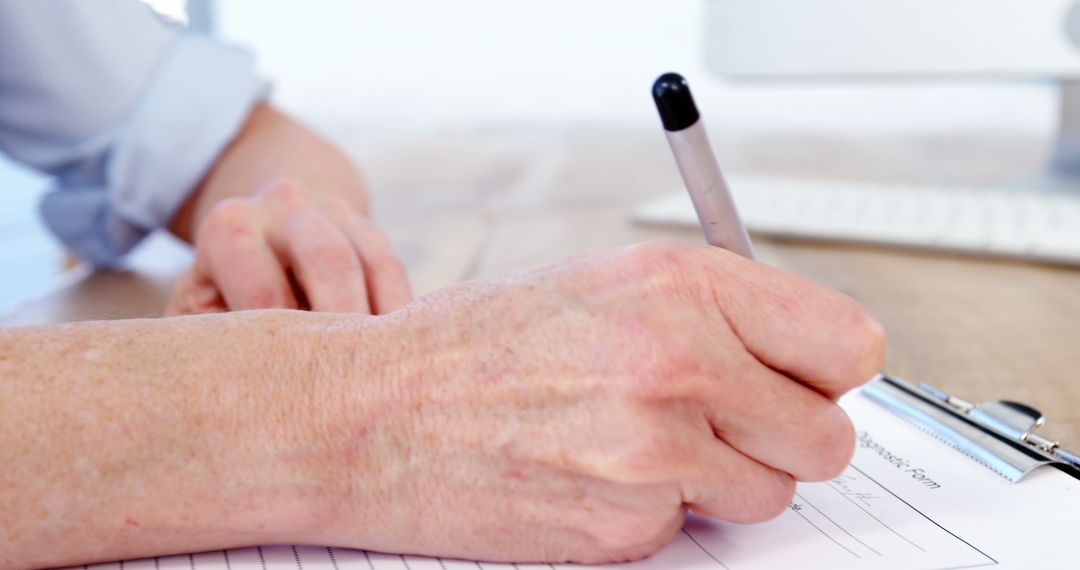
x: 905, y: 39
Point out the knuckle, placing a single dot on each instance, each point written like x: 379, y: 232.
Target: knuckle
x: 629, y: 536
x: 658, y: 363
x: 867, y: 342
x: 333, y: 257
x: 648, y: 450
x: 833, y: 442
x: 644, y: 452
x: 690, y: 273
x: 874, y: 333
x: 654, y: 256
x: 286, y: 192
x: 384, y: 262
x: 373, y: 237
x: 667, y: 368
x: 335, y: 205
x: 771, y: 501
x: 778, y: 497
x: 230, y: 216
x: 375, y: 247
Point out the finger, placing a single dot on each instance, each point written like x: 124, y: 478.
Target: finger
x: 731, y: 486
x: 814, y: 334
x: 326, y: 264
x: 780, y: 423
x: 193, y: 293
x: 387, y: 280
x: 233, y: 254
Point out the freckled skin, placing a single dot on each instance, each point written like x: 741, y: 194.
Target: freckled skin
x: 516, y: 475
x: 574, y: 413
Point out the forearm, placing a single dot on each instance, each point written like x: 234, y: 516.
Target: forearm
x: 137, y: 438
x: 270, y: 148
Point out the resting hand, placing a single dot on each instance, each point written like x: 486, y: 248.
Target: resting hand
x: 280, y: 249
x: 576, y: 413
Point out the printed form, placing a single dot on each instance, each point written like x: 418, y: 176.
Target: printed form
x: 905, y: 501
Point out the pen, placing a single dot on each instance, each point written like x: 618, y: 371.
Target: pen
x: 700, y: 172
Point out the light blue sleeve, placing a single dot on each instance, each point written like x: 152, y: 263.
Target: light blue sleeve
x: 127, y: 112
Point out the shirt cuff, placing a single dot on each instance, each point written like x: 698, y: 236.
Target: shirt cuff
x: 194, y: 105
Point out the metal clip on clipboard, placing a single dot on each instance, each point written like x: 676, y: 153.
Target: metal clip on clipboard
x: 999, y: 434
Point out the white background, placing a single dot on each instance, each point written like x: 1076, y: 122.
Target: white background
x: 431, y: 65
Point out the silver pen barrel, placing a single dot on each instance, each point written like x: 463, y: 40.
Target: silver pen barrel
x: 709, y: 192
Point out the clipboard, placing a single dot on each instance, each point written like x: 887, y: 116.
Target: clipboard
x: 999, y: 434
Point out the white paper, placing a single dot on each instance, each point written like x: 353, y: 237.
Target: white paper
x: 906, y: 501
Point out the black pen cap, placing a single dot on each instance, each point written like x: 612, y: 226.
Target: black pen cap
x: 674, y: 101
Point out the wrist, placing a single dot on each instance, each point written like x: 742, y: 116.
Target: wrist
x: 298, y: 384
x: 366, y: 368
x: 256, y: 425
x: 259, y: 425
x: 271, y: 147
x: 329, y: 395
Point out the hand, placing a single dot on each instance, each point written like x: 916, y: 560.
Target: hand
x: 577, y: 412
x: 280, y: 249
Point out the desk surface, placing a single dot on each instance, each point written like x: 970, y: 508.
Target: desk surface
x: 477, y: 205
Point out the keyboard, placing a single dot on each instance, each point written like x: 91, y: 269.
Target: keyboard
x: 1035, y: 225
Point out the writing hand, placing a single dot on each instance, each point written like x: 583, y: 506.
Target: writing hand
x: 575, y: 413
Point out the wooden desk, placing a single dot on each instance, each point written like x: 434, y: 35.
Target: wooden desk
x: 473, y: 206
